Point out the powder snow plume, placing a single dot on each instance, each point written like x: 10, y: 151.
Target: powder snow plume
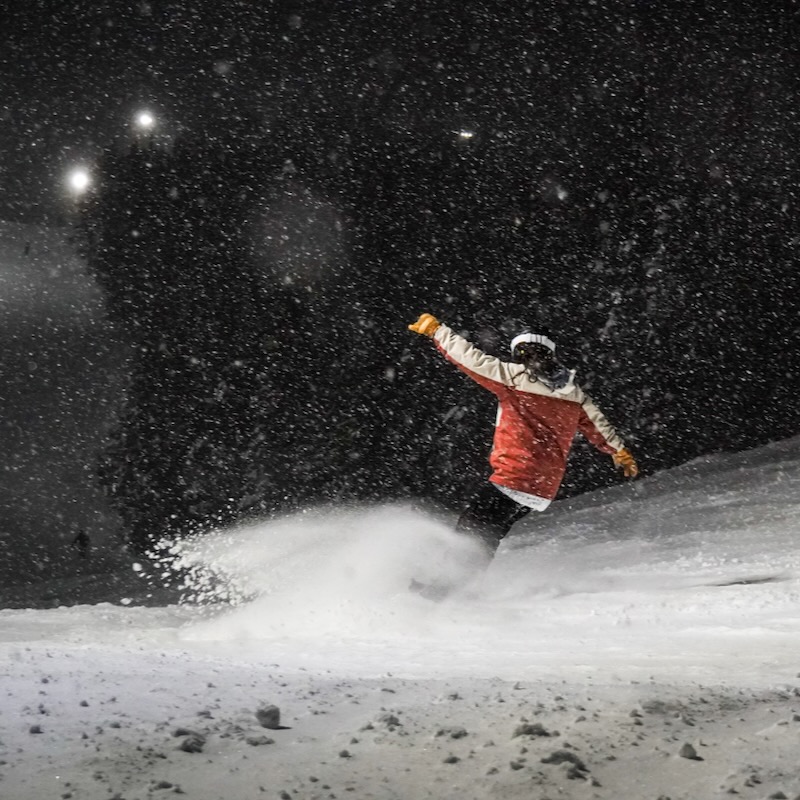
x: 321, y: 571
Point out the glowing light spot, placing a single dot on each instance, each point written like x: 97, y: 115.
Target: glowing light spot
x: 145, y: 120
x: 79, y: 180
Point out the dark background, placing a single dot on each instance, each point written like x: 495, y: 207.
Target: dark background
x: 711, y: 85
x: 631, y: 183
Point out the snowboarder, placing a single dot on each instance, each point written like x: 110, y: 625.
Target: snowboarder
x: 541, y: 408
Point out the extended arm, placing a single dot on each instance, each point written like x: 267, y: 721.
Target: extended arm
x: 489, y: 371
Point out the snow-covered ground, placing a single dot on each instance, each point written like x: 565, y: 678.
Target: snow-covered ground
x: 640, y: 642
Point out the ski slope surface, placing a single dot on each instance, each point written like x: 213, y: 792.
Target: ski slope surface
x: 642, y: 641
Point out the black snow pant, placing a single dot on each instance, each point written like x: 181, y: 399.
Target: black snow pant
x: 489, y: 517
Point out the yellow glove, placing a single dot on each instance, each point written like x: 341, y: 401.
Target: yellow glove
x: 624, y: 460
x: 427, y: 325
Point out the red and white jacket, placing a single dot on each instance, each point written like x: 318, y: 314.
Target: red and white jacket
x: 535, y: 425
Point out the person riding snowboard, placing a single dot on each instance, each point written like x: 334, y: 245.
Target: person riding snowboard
x: 541, y: 408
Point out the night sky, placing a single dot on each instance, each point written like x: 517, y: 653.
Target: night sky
x: 712, y: 83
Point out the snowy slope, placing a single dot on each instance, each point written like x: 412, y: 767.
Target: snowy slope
x: 648, y: 636
x: 61, y: 375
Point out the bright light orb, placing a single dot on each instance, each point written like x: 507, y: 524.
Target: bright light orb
x: 145, y: 120
x: 79, y: 180
x: 466, y: 135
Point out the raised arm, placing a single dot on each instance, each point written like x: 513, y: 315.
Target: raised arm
x: 489, y: 371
